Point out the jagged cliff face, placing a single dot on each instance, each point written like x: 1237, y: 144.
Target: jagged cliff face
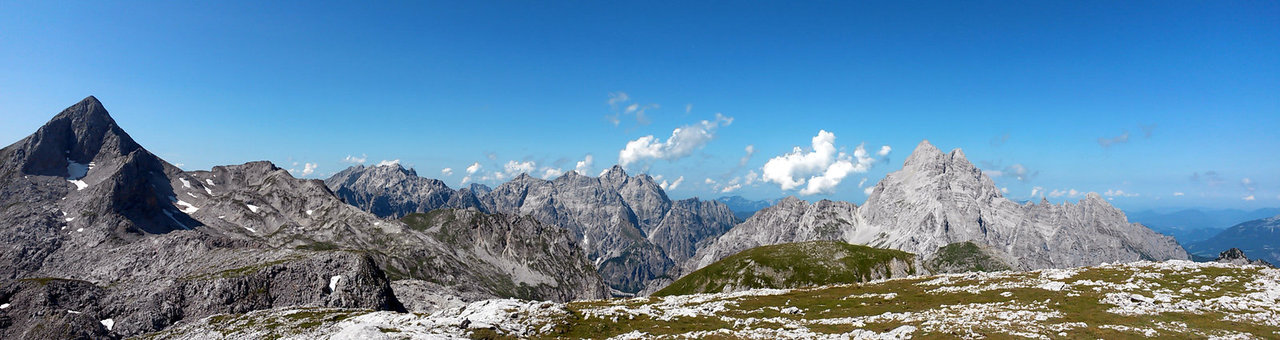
x: 941, y: 198
x: 389, y: 190
x: 627, y: 226
x: 94, y: 223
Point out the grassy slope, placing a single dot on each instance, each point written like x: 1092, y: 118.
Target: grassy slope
x: 791, y: 265
x: 850, y: 304
x: 964, y: 257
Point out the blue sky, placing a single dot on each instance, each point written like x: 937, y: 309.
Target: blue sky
x: 1149, y: 98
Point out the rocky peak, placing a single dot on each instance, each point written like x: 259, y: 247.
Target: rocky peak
x: 924, y: 155
x: 615, y: 177
x: 480, y: 189
x: 77, y: 134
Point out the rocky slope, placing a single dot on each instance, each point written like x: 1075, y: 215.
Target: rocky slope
x: 1259, y: 238
x: 1174, y: 299
x: 939, y: 199
x: 795, y: 265
x: 101, y: 238
x: 629, y: 228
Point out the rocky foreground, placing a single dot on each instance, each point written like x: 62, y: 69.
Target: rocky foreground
x: 1143, y: 299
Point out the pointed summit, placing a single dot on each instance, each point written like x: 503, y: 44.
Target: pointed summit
x: 615, y: 177
x: 77, y: 134
x: 924, y: 153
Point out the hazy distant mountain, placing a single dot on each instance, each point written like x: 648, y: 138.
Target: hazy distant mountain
x: 744, y: 208
x: 1259, y: 238
x: 939, y: 199
x: 1195, y: 225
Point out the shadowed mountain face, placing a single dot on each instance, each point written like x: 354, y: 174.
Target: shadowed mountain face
x: 93, y: 223
x: 628, y: 226
x: 939, y: 199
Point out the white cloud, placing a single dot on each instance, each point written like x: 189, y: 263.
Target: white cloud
x: 884, y: 151
x: 1119, y: 193
x: 751, y: 150
x: 390, y: 162
x: 1037, y: 190
x: 1015, y: 171
x: 862, y: 182
x: 549, y: 173
x: 822, y: 167
x: 683, y: 142
x: 584, y: 166
x: 446, y: 172
x: 730, y: 188
x: 710, y: 181
x: 1178, y: 194
x: 671, y: 186
x: 688, y: 108
x: 356, y: 160
x: 471, y: 170
x: 514, y: 168
x: 1248, y: 198
x: 1068, y: 193
x: 1004, y: 190
x: 868, y: 190
x: 308, y: 169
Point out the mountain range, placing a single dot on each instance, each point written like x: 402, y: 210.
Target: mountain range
x: 1259, y: 238
x: 629, y: 228
x: 1195, y: 225
x: 104, y: 239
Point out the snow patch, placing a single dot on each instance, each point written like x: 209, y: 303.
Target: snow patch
x: 108, y: 323
x: 209, y: 181
x: 3, y: 306
x: 80, y: 185
x: 69, y: 219
x: 309, y: 211
x: 252, y: 208
x: 187, y: 207
x: 79, y: 230
x: 185, y: 183
x: 247, y: 228
x: 333, y: 282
